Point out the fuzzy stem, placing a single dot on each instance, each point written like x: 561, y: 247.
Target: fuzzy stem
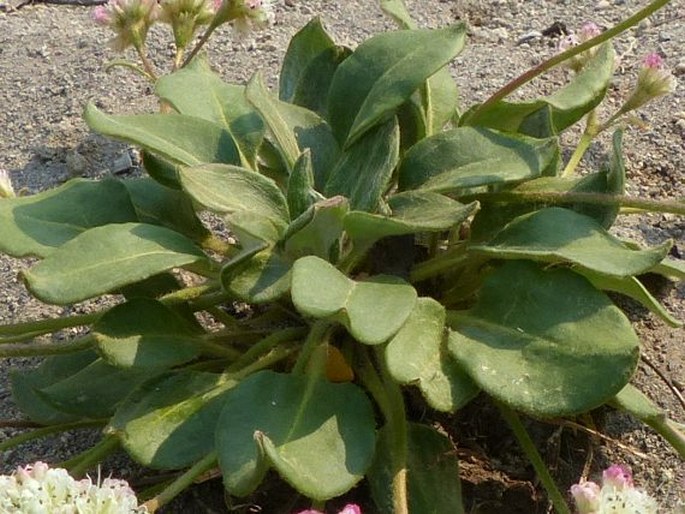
x: 46, y: 326
x: 182, y: 482
x: 591, y: 130
x: 439, y: 264
x: 78, y: 465
x: 45, y: 431
x: 147, y: 65
x: 535, y: 459
x: 199, y: 45
x: 316, y: 333
x: 39, y: 349
x: 563, y: 56
x: 555, y: 197
x: 267, y: 344
x: 396, y: 419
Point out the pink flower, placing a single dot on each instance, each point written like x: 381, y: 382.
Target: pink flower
x: 617, y: 476
x: 588, y: 31
x: 586, y: 496
x: 244, y: 15
x: 129, y: 19
x: 653, y: 81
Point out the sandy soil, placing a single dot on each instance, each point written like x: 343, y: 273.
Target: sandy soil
x: 52, y: 63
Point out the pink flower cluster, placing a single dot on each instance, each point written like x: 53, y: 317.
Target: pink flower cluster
x: 616, y: 495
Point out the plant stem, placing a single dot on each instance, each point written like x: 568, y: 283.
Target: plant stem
x: 317, y: 333
x: 199, y: 45
x: 563, y: 56
x: 555, y: 197
x: 189, y: 293
x: 585, y: 139
x: 533, y: 455
x: 78, y: 465
x: 439, y: 264
x: 267, y: 344
x: 147, y: 65
x: 46, y: 326
x: 181, y: 483
x: 396, y: 419
x: 39, y: 349
x: 52, y: 429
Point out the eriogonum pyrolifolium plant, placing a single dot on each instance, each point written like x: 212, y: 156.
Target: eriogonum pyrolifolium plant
x: 374, y: 240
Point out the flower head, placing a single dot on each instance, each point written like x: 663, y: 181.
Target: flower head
x: 39, y: 488
x: 244, y: 15
x: 185, y: 16
x: 654, y: 80
x: 588, y: 31
x: 6, y: 189
x: 129, y: 19
x: 617, y: 495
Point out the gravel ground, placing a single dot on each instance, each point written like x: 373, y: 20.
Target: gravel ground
x: 52, y: 63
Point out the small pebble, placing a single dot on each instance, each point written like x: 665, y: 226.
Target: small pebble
x: 602, y: 4
x: 529, y: 36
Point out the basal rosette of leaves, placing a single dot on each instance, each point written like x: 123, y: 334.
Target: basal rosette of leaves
x: 381, y: 240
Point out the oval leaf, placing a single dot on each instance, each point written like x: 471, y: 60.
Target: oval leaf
x: 319, y: 436
x: 561, y: 235
x: 418, y: 355
x: 382, y: 74
x: 36, y: 224
x: 169, y: 422
x: 364, y: 169
x: 237, y: 191
x: 544, y: 342
x: 144, y: 333
x: 195, y: 90
x: 181, y: 139
x: 373, y: 310
x: 468, y: 157
x: 262, y: 278
x: 106, y: 258
x: 295, y: 129
x: 95, y: 390
x: 433, y: 484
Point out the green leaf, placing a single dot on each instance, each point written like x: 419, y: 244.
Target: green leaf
x: 561, y: 235
x: 180, y: 139
x: 373, y: 310
x: 159, y: 205
x: 308, y: 67
x: 468, y: 157
x: 53, y: 369
x: 418, y: 355
x: 195, y: 90
x: 144, y: 333
x: 169, y: 422
x: 301, y: 192
x: 319, y: 436
x: 412, y: 212
x: 673, y: 269
x: 295, y: 129
x: 544, y: 342
x: 36, y: 224
x: 106, y: 258
x: 633, y: 288
x: 364, y: 170
x: 557, y: 111
x: 240, y: 193
x: 433, y: 484
x: 398, y: 12
x: 382, y: 74
x: 163, y: 171
x: 95, y: 390
x: 317, y: 230
x: 263, y: 277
